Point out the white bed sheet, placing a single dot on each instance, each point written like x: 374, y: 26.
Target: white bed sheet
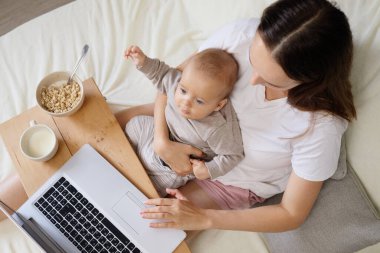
x: 170, y: 30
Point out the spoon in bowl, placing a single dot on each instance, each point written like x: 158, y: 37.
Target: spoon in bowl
x: 84, y: 52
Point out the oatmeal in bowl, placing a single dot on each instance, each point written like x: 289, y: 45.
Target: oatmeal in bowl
x: 57, y: 97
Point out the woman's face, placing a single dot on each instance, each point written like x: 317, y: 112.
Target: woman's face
x: 266, y: 71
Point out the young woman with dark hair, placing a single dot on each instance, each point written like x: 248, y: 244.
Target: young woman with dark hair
x: 314, y: 46
x: 293, y: 115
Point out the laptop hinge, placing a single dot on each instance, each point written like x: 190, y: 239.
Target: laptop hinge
x: 36, y: 232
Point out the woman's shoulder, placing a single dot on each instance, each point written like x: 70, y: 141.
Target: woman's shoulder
x: 329, y: 124
x: 315, y: 155
x: 325, y: 130
x: 309, y: 124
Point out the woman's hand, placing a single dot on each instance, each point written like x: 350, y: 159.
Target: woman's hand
x: 176, y: 155
x: 200, y: 169
x: 177, y: 212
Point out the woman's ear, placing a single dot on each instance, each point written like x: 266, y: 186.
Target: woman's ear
x: 221, y: 104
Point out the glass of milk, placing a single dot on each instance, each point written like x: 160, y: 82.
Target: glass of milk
x: 38, y: 142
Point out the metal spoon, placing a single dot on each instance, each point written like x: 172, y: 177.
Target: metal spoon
x: 84, y: 52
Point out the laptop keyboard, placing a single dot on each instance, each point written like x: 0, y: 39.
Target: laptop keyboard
x: 78, y: 220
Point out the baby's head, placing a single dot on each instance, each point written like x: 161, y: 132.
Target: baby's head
x: 207, y: 80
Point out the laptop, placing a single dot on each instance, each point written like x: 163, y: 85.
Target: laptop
x: 88, y: 206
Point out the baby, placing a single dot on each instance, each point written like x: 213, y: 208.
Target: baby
x: 197, y: 113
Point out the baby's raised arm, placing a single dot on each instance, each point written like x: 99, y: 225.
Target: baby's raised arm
x: 136, y: 54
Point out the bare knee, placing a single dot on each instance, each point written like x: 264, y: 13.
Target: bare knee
x: 200, y: 198
x: 125, y: 115
x: 12, y: 192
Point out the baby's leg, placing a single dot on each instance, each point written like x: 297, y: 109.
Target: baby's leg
x: 164, y: 177
x: 125, y: 115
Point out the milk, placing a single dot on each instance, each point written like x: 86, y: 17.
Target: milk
x: 40, y: 143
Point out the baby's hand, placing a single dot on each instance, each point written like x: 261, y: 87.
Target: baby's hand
x: 199, y: 169
x: 136, y: 54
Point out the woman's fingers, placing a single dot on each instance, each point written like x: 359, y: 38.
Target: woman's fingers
x: 176, y: 155
x: 176, y: 193
x: 195, y: 161
x: 159, y: 202
x: 156, y: 215
x: 157, y: 209
x: 176, y: 213
x: 168, y: 224
x: 195, y: 152
x: 162, y: 210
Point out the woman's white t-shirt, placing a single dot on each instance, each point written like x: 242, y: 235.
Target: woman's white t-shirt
x: 277, y: 137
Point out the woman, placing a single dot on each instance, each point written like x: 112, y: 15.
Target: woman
x: 292, y: 117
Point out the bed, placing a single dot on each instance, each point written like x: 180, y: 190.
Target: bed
x: 170, y: 30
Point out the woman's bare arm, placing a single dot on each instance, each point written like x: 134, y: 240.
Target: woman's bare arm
x: 298, y: 199
x: 297, y: 202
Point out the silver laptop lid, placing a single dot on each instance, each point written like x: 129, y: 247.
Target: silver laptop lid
x: 31, y: 230
x: 110, y: 193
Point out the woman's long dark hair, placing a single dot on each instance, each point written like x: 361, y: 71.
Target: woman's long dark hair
x: 312, y: 41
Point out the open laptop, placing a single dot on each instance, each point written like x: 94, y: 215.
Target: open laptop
x: 88, y: 206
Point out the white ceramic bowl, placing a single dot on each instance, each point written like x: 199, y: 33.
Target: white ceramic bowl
x: 54, y: 78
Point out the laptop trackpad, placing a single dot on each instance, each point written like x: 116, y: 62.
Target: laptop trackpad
x: 128, y: 209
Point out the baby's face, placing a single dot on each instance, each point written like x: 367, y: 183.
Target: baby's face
x: 197, y: 96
